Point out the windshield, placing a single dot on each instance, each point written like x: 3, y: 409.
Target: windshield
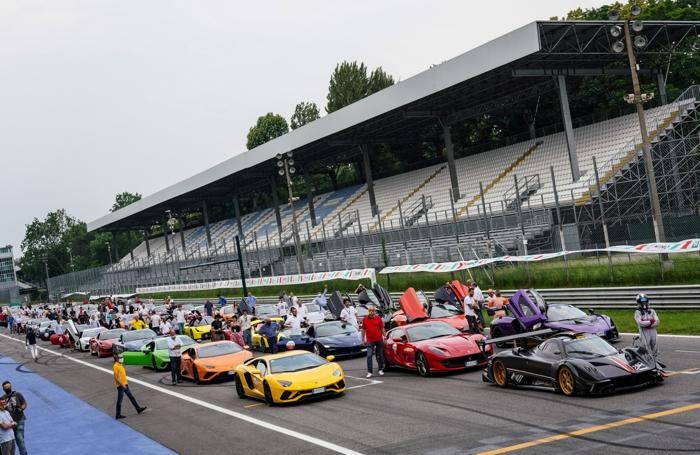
x: 334, y: 328
x: 111, y: 334
x: 313, y: 308
x: 444, y: 310
x: 564, y: 312
x: 295, y: 363
x: 206, y: 320
x: 89, y: 333
x: 45, y: 324
x: 430, y: 330
x: 363, y: 309
x: 590, y: 346
x: 265, y: 310
x: 215, y: 350
x: 162, y: 343
x: 138, y: 335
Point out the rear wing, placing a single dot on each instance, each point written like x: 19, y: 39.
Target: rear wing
x: 527, y: 338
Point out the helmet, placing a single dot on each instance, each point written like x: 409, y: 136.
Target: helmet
x: 642, y: 299
x: 290, y: 345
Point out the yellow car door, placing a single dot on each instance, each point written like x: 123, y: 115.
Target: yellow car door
x: 257, y: 375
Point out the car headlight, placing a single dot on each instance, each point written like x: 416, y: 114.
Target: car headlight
x: 285, y: 383
x: 537, y: 326
x: 327, y: 346
x: 209, y: 367
x: 437, y: 350
x: 337, y: 372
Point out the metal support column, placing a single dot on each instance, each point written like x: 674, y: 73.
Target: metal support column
x: 661, y: 86
x: 568, y: 128
x: 205, y: 215
x: 450, y: 155
x: 182, y: 235
x: 164, y: 226
x: 368, y: 177
x: 602, y: 217
x: 237, y: 213
x: 131, y: 246
x: 148, y: 245
x: 276, y: 206
x: 310, y: 199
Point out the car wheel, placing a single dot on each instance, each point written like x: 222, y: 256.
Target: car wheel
x: 153, y: 362
x: 268, y: 395
x: 566, y: 381
x: 422, y: 364
x: 195, y: 375
x: 239, y: 387
x: 318, y: 350
x: 497, y: 333
x: 500, y: 373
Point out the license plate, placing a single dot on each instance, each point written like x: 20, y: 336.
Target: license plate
x: 471, y: 363
x: 319, y: 390
x: 231, y: 373
x: 363, y: 350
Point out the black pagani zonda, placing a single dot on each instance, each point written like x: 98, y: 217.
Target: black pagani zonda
x: 573, y: 364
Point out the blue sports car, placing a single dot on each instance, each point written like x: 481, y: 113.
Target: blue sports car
x: 327, y: 338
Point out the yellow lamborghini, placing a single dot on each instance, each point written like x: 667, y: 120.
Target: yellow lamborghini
x: 199, y: 330
x: 289, y: 377
x: 258, y: 342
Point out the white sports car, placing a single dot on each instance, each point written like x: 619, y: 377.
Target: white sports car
x: 84, y: 343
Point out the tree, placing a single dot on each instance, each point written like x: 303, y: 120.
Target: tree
x: 268, y: 127
x: 349, y: 83
x: 124, y: 199
x: 304, y: 113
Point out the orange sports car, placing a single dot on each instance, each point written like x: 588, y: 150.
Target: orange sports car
x: 217, y: 360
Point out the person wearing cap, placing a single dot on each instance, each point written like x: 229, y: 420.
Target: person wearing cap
x: 7, y: 426
x: 217, y: 328
x: 123, y: 387
x: 269, y: 331
x: 15, y: 405
x: 647, y: 320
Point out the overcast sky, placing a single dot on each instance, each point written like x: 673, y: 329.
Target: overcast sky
x: 99, y: 97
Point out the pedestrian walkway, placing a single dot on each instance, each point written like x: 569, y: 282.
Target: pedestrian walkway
x: 59, y: 422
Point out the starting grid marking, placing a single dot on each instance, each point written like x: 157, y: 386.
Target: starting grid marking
x: 252, y: 420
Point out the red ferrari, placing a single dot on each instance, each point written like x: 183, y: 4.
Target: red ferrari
x: 434, y: 346
x: 101, y: 345
x: 415, y: 306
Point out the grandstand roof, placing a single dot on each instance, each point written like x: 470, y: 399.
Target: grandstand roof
x: 482, y: 80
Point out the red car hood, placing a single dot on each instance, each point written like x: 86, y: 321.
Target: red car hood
x: 460, y: 291
x: 412, y: 306
x: 454, y: 345
x: 458, y: 321
x: 105, y: 342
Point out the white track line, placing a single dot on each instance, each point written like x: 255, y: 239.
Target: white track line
x: 291, y: 433
x: 688, y: 352
x: 667, y: 335
x: 370, y: 382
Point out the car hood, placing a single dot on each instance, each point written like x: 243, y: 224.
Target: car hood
x: 308, y: 379
x: 201, y: 328
x: 458, y: 321
x: 592, y: 324
x: 454, y: 345
x: 617, y: 365
x: 135, y: 345
x: 342, y: 340
x: 412, y: 306
x: 224, y: 362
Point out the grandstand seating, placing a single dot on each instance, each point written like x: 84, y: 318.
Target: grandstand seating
x: 615, y: 143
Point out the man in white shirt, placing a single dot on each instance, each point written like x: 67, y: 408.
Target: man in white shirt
x: 165, y: 326
x: 244, y: 321
x: 480, y: 300
x: 294, y: 322
x: 469, y: 306
x: 294, y: 299
x: 349, y: 314
x: 155, y: 322
x: 175, y: 355
x: 179, y: 315
x: 301, y: 310
x: 282, y: 307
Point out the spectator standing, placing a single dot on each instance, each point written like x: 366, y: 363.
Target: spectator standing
x: 165, y: 326
x: 251, y: 301
x: 282, y: 309
x: 7, y: 434
x: 179, y: 316
x: 175, y: 354
x: 237, y: 337
x: 269, y: 330
x: 349, y: 314
x: 222, y: 301
x: 294, y: 322
x: 479, y: 298
x: 647, y: 320
x: 470, y: 306
x: 244, y: 322
x: 15, y: 405
x: 217, y: 328
x: 373, y: 338
x: 30, y: 342
x: 209, y: 308
x: 123, y: 387
x: 155, y: 322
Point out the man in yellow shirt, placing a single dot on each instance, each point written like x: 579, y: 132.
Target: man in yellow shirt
x: 138, y: 323
x: 123, y: 387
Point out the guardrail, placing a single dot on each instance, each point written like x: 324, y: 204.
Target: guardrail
x: 664, y: 297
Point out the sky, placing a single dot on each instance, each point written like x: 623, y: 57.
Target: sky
x: 98, y: 97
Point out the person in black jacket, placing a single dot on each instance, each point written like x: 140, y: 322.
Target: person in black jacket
x: 30, y: 342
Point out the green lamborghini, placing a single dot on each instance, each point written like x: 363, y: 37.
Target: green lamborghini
x: 154, y: 354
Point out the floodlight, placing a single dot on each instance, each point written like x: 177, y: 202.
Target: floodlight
x: 636, y: 10
x: 292, y: 170
x: 637, y: 26
x: 290, y: 162
x: 630, y: 98
x: 696, y: 45
x: 647, y: 97
x: 616, y: 31
x: 280, y: 163
x: 279, y: 156
x: 618, y: 46
x: 613, y: 15
x: 290, y: 154
x: 640, y: 41
x: 280, y: 172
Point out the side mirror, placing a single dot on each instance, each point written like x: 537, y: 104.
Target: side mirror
x: 401, y: 339
x: 330, y: 358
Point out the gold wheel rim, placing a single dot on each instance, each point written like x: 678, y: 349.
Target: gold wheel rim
x: 499, y: 373
x: 566, y: 381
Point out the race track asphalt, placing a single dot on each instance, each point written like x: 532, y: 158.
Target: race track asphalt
x: 399, y: 413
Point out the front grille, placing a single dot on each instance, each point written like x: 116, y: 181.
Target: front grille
x: 332, y: 388
x: 459, y: 362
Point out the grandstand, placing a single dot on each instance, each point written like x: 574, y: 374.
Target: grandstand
x: 498, y: 201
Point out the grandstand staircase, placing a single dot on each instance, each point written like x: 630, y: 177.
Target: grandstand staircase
x: 407, y: 197
x: 343, y: 209
x: 627, y: 159
x: 499, y: 177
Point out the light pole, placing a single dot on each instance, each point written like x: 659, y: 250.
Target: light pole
x: 46, y: 268
x: 109, y: 252
x: 72, y: 269
x: 171, y: 225
x: 638, y: 98
x: 285, y: 163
